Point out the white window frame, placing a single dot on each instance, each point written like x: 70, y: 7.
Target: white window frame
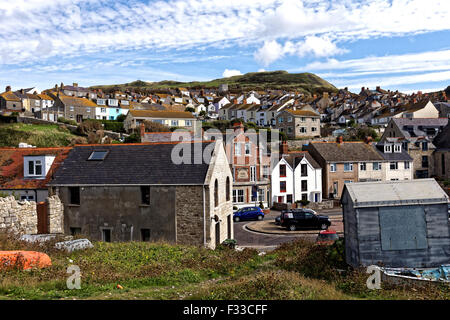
x: 36, y: 164
x: 350, y: 167
x: 333, y: 167
x: 237, y: 149
x: 253, y: 173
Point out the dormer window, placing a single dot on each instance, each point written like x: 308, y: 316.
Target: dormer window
x: 397, y: 148
x: 387, y: 148
x: 35, y: 168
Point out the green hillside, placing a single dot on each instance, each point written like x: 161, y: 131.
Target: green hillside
x: 302, y: 82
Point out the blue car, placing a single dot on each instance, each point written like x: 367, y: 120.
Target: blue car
x: 248, y: 213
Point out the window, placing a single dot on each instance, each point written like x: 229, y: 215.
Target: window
x: 304, y: 170
x: 71, y: 108
x: 289, y: 198
x: 332, y: 167
x: 106, y: 235
x: 289, y: 119
x: 424, y: 146
x: 253, y: 173
x: 280, y: 120
x: 88, y: 109
x: 35, y: 168
x: 145, y: 195
x: 145, y: 235
x: 376, y: 166
x: 393, y: 165
x: 261, y: 195
x: 348, y: 167
x: 405, y: 146
x: 216, y: 193
x: 289, y: 130
x: 174, y: 122
x: 75, y: 231
x: 302, y: 119
x: 74, y: 195
x: 265, y: 172
x: 103, y: 110
x: 188, y: 123
x: 247, y: 148
x: 238, y: 196
x: 304, y: 185
x: 424, y: 161
x: 302, y: 129
x: 25, y: 197
x: 397, y: 148
x: 282, y: 170
x: 443, y: 163
x: 98, y: 155
x: 362, y: 166
x: 228, y: 187
x: 387, y: 148
x: 335, y: 188
x: 406, y: 164
x: 304, y: 197
x: 237, y: 149
x: 313, y: 129
x: 282, y: 186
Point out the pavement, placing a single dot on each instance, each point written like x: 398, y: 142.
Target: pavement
x: 265, y: 235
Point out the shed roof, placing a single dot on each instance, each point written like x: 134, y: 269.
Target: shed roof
x: 395, y: 193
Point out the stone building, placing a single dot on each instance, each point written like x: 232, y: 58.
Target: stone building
x: 299, y: 123
x: 148, y: 192
x: 169, y: 118
x: 416, y: 137
x: 441, y: 154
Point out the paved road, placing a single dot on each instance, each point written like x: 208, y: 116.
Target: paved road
x: 247, y: 238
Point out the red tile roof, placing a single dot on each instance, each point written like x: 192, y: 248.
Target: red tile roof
x: 11, y: 166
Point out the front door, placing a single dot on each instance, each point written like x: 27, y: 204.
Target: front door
x: 42, y: 218
x: 79, y: 118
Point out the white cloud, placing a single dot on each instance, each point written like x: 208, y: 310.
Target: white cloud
x: 230, y: 73
x: 313, y: 27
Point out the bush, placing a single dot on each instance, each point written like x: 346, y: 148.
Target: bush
x: 67, y: 121
x: 132, y: 138
x: 116, y: 126
x: 89, y: 126
x: 121, y: 118
x: 151, y: 126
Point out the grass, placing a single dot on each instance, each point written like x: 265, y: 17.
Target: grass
x: 39, y: 135
x: 298, y: 270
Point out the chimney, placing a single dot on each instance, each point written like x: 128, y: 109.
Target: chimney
x: 22, y: 91
x: 75, y: 84
x: 362, y: 89
x: 8, y: 88
x: 142, y: 130
x: 238, y: 126
x: 339, y: 139
x: 235, y: 101
x: 284, y: 147
x: 368, y: 139
x: 245, y: 101
x: 346, y: 88
x: 62, y: 86
x: 325, y: 95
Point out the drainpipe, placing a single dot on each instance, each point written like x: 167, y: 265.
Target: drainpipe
x: 204, y: 218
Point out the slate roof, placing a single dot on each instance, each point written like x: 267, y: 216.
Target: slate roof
x: 131, y: 164
x: 11, y: 166
x: 294, y: 158
x: 442, y: 140
x: 392, y: 156
x: 346, y: 151
x: 73, y: 101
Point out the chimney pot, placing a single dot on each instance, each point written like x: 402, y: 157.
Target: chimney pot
x: 8, y: 88
x: 340, y: 139
x: 284, y: 147
x: 142, y: 130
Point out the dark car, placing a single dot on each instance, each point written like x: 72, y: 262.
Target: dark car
x: 248, y: 213
x: 304, y: 219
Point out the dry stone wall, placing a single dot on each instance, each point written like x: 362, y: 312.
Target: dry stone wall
x: 20, y: 217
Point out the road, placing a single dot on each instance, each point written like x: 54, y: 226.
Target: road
x: 247, y: 238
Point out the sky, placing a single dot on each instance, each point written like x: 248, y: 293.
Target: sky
x: 396, y: 44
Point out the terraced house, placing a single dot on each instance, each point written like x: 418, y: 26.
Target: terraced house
x: 299, y: 123
x: 168, y: 118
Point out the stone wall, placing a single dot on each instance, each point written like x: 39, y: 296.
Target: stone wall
x: 189, y: 215
x: 55, y: 215
x: 20, y: 217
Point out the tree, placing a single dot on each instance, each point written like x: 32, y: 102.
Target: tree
x: 202, y: 113
x: 121, y: 118
x: 189, y: 109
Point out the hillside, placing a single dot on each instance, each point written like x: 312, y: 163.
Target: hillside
x: 39, y: 135
x: 303, y: 82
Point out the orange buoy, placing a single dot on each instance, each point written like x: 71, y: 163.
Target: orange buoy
x: 23, y: 260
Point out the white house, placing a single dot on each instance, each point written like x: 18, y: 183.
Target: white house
x: 297, y: 176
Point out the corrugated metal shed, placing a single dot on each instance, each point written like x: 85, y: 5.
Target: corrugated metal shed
x: 388, y: 193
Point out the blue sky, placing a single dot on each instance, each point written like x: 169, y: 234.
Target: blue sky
x: 397, y: 44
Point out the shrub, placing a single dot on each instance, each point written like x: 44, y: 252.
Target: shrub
x: 67, y: 121
x: 151, y: 126
x: 132, y: 138
x: 121, y: 118
x: 88, y: 126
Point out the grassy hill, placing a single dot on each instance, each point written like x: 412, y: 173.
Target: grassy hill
x: 298, y: 270
x: 39, y: 135
x: 303, y: 82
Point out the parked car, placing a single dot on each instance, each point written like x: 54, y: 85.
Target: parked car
x: 248, y: 213
x: 304, y: 219
x: 327, y: 237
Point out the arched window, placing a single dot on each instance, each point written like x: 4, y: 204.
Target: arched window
x: 216, y: 193
x: 228, y: 189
